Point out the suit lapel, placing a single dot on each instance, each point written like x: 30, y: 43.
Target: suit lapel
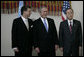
x: 49, y: 24
x: 74, y: 26
x: 67, y: 26
x: 30, y: 23
x: 23, y: 24
x: 42, y: 25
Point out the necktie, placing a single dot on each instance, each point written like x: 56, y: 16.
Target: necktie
x: 70, y: 27
x: 45, y: 24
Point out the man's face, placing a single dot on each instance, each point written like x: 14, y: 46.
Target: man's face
x: 28, y: 12
x: 69, y: 14
x: 44, y: 12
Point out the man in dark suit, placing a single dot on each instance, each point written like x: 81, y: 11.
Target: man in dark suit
x: 70, y: 35
x: 22, y: 33
x: 45, y: 35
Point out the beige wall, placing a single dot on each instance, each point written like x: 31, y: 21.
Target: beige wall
x: 6, y: 25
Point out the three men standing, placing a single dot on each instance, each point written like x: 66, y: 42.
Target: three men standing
x: 43, y: 35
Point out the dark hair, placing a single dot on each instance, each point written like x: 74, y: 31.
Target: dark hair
x: 68, y: 9
x: 24, y: 8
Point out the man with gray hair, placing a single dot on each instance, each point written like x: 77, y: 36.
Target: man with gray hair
x: 45, y: 35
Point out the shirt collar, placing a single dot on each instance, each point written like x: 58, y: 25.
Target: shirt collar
x: 43, y: 19
x: 24, y: 19
x: 70, y: 21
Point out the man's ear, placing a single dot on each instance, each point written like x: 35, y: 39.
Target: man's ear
x: 40, y: 13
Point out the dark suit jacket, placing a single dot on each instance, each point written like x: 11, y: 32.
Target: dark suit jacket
x: 67, y: 40
x: 45, y: 40
x: 21, y: 37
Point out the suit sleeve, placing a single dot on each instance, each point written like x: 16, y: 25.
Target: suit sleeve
x: 14, y: 34
x: 55, y: 34
x: 61, y: 35
x: 80, y: 34
x: 35, y: 35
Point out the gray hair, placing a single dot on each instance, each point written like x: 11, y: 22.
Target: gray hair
x: 41, y: 8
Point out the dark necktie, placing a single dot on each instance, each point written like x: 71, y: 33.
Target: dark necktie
x: 70, y: 27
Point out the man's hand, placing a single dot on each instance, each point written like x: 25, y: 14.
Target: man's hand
x: 80, y: 47
x: 37, y: 50
x: 61, y: 48
x: 56, y: 47
x: 16, y: 49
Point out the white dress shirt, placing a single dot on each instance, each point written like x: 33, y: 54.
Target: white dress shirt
x: 71, y: 22
x: 26, y: 22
